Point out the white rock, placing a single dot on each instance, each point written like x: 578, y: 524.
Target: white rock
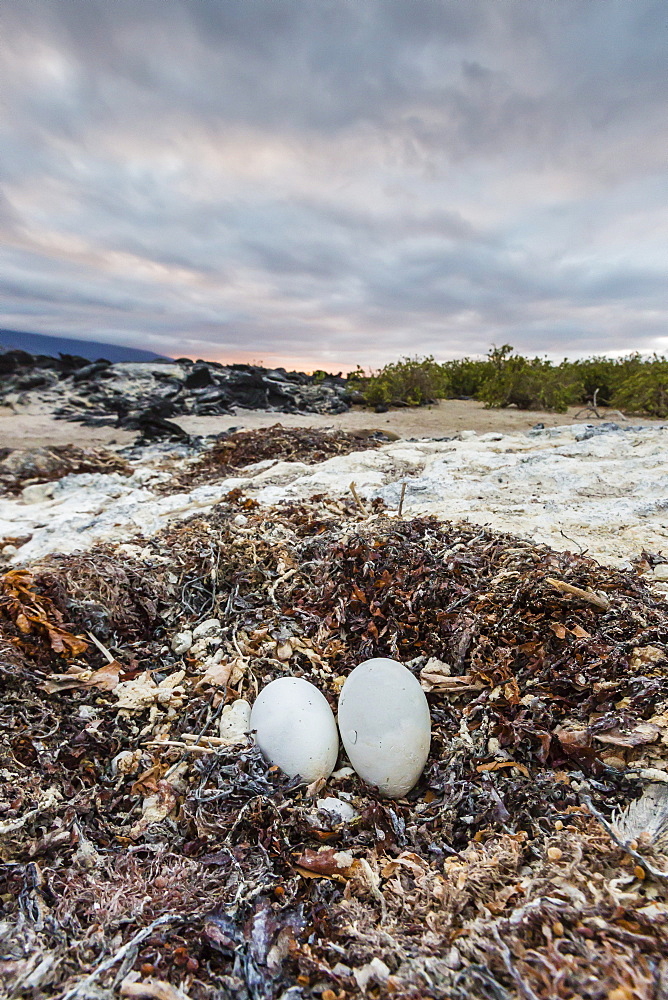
x: 661, y: 571
x: 343, y: 772
x: 385, y: 725
x: 295, y: 729
x: 547, y: 488
x: 209, y: 627
x: 182, y: 642
x: 37, y: 492
x: 453, y: 959
x: 235, y: 722
x: 9, y: 550
x: 340, y: 811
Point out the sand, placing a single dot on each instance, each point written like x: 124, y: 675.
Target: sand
x: 37, y: 430
x: 448, y: 417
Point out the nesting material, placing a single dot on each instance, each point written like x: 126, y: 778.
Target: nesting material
x: 385, y: 725
x: 235, y: 721
x: 294, y: 728
x: 501, y: 855
x: 645, y: 820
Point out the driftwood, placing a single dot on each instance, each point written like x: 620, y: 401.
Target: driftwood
x: 598, y: 600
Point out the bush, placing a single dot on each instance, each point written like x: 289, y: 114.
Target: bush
x: 646, y: 390
x: 465, y: 377
x: 600, y: 377
x: 527, y: 383
x: 633, y: 383
x: 408, y: 382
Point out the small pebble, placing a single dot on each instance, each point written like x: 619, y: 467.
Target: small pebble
x: 618, y: 763
x: 126, y: 762
x: 661, y: 571
x: 341, y: 812
x: 235, y: 722
x: 210, y: 626
x: 554, y: 854
x: 9, y: 550
x: 182, y: 642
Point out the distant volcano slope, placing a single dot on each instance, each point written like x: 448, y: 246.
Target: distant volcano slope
x: 91, y: 350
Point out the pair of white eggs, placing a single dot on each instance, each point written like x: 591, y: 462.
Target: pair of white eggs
x: 383, y: 719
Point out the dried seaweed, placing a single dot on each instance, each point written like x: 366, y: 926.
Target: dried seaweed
x: 20, y: 468
x: 144, y: 855
x: 238, y: 449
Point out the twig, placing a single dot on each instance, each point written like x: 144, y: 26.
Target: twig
x: 401, y: 500
x: 188, y: 741
x: 599, y: 601
x: 593, y: 403
x: 593, y: 408
x: 191, y: 747
x: 573, y: 540
x: 358, y: 501
x: 590, y: 407
x: 83, y: 984
x: 246, y: 808
x: 610, y: 830
x: 275, y: 584
x: 209, y: 719
x: 103, y: 649
x: 213, y: 741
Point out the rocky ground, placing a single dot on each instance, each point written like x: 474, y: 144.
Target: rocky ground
x: 145, y: 396
x: 600, y: 489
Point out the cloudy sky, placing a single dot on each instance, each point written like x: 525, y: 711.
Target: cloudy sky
x: 332, y: 182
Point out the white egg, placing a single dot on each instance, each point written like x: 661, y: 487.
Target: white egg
x: 295, y: 728
x: 385, y: 725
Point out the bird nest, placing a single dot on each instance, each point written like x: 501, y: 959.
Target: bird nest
x: 148, y: 853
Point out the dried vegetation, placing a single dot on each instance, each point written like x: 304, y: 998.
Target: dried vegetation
x: 144, y: 854
x: 20, y: 468
x: 239, y: 449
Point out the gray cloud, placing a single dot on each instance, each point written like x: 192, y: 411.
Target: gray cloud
x: 336, y: 182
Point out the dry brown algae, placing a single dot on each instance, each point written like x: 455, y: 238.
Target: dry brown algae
x: 145, y: 856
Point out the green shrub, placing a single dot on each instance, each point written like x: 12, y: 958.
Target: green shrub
x: 645, y: 390
x: 633, y: 383
x: 600, y: 377
x: 409, y: 381
x: 527, y: 383
x: 465, y: 377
